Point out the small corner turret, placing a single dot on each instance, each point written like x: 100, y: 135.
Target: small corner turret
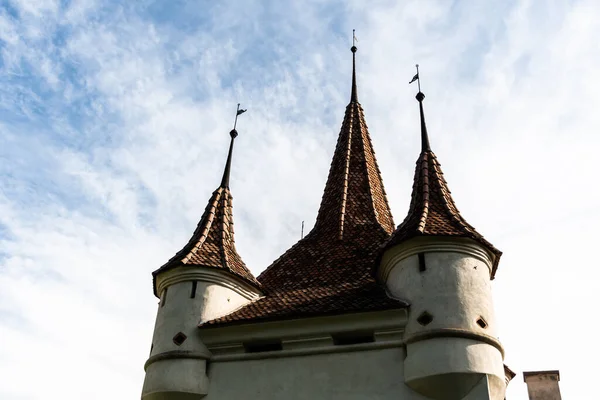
x: 443, y: 267
x: 206, y: 279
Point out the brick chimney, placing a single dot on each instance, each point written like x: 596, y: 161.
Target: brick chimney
x: 542, y: 385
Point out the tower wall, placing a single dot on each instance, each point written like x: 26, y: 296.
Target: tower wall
x: 447, y: 282
x: 176, y: 368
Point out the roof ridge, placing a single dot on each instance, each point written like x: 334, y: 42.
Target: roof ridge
x: 426, y: 183
x: 367, y: 137
x: 206, y: 226
x: 346, y: 173
x: 449, y: 203
x: 223, y: 224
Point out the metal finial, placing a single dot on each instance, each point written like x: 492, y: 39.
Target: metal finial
x: 237, y: 113
x: 233, y: 133
x: 420, y: 97
x: 354, y: 94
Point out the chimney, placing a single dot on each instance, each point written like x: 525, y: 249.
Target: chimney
x: 542, y: 385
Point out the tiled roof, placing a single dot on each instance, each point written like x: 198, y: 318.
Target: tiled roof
x: 319, y: 277
x: 354, y: 194
x: 432, y: 210
x: 328, y: 272
x: 212, y: 245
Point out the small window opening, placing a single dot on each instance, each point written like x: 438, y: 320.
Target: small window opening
x: 262, y: 346
x: 179, y: 338
x: 164, y: 298
x: 194, y: 286
x: 425, y: 318
x: 482, y: 323
x: 348, y: 338
x: 422, y: 266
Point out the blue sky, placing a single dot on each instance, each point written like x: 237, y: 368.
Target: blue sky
x: 114, y: 122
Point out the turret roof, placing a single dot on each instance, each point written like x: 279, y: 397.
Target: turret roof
x: 328, y: 271
x: 432, y: 210
x: 212, y: 245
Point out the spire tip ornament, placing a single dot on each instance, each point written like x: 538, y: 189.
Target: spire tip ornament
x: 354, y: 95
x: 420, y: 97
x: 233, y: 133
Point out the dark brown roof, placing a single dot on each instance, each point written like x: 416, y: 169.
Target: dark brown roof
x: 212, y: 245
x: 328, y: 272
x: 354, y: 194
x: 318, y: 277
x: 432, y: 210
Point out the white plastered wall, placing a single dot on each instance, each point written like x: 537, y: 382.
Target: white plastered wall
x: 452, y: 351
x: 374, y: 375
x: 181, y: 313
x: 310, y: 365
x: 455, y: 287
x: 174, y: 368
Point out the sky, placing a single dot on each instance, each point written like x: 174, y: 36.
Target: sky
x: 114, y: 122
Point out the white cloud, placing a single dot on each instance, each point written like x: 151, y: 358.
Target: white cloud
x: 116, y: 128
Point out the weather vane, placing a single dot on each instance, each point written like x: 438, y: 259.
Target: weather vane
x: 237, y: 113
x: 416, y: 78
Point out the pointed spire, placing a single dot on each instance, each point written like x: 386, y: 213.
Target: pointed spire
x: 226, y: 172
x: 212, y: 245
x: 424, y: 137
x: 354, y: 95
x: 354, y: 195
x: 432, y: 210
x: 233, y: 133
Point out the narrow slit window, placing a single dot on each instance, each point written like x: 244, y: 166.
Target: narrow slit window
x: 348, y: 338
x: 164, y: 298
x: 482, y: 322
x: 422, y: 266
x: 263, y: 346
x: 194, y: 286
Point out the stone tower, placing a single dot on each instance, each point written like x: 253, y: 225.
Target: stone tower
x: 204, y: 280
x: 443, y: 267
x: 357, y: 309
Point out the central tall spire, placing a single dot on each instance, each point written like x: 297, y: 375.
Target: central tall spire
x: 354, y: 196
x: 354, y: 95
x: 328, y: 271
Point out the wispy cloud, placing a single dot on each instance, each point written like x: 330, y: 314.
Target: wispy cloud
x: 113, y: 129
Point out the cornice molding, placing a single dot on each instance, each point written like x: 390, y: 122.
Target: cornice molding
x: 308, y: 351
x: 432, y: 244
x: 175, y: 354
x: 378, y: 322
x: 211, y: 275
x: 455, y: 333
